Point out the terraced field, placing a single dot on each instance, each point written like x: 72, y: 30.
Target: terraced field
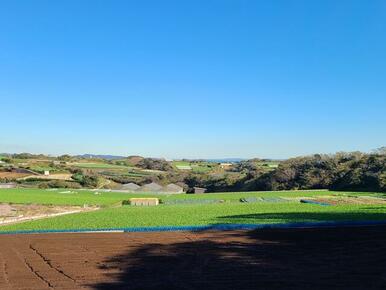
x: 98, y: 165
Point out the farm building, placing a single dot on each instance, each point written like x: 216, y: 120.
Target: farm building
x: 151, y: 187
x: 173, y: 188
x: 198, y: 190
x: 226, y: 165
x: 144, y: 201
x: 7, y: 185
x: 130, y: 186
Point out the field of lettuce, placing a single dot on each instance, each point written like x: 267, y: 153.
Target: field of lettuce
x: 105, y: 199
x: 207, y: 214
x: 186, y: 210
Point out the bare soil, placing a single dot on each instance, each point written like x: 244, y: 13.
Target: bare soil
x: 59, y: 176
x: 336, y: 200
x: 351, y: 200
x: 12, y: 175
x: 14, y: 213
x: 344, y: 258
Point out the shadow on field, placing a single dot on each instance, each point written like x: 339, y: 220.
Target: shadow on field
x: 344, y: 258
x: 293, y: 217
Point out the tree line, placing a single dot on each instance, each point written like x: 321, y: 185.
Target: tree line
x: 354, y: 171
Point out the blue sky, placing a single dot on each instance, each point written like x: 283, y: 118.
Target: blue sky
x: 196, y: 79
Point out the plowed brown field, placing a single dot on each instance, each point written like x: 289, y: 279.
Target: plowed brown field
x: 345, y: 258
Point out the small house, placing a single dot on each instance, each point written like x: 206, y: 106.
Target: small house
x: 46, y: 172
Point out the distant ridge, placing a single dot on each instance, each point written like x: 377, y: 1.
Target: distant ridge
x: 108, y: 157
x: 225, y: 160
x: 217, y: 160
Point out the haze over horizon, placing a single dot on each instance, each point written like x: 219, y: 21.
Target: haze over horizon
x: 183, y: 157
x: 192, y: 79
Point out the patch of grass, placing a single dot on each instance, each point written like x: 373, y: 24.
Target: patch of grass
x: 181, y: 163
x: 197, y: 167
x: 201, y: 168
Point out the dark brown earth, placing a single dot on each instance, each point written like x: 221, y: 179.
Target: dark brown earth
x: 345, y: 258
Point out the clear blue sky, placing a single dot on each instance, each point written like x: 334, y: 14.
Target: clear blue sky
x: 193, y: 78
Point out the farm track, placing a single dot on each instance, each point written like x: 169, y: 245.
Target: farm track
x: 339, y: 258
x: 16, y: 220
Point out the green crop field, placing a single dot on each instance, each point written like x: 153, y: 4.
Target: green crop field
x: 181, y: 163
x: 80, y: 197
x: 99, y: 166
x: 188, y: 215
x: 186, y: 209
x: 61, y: 197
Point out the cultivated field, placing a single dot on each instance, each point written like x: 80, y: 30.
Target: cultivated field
x: 12, y: 175
x: 196, y: 210
x: 197, y: 167
x: 98, y: 165
x: 345, y: 258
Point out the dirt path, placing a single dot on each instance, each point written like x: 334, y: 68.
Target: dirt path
x: 347, y: 258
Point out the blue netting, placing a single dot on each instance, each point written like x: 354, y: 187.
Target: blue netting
x: 192, y: 201
x: 251, y: 199
x: 314, y: 202
x: 221, y: 227
x: 274, y: 199
x: 263, y: 199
